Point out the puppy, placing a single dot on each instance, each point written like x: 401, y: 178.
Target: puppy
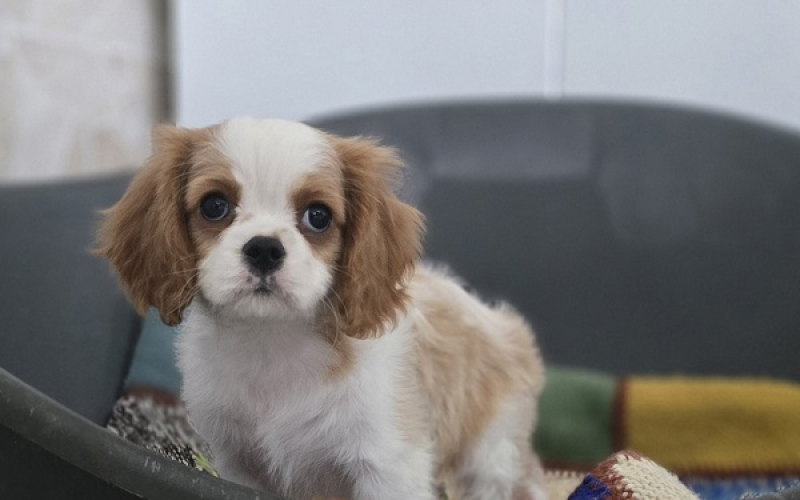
x: 319, y: 357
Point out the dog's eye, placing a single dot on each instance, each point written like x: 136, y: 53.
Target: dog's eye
x: 317, y: 218
x: 214, y: 207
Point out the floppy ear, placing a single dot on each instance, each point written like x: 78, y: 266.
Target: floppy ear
x: 145, y: 235
x: 380, y: 241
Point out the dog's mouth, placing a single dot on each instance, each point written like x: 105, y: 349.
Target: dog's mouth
x: 261, y: 292
x: 262, y: 287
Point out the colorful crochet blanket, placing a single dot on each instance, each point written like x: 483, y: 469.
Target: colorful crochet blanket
x: 629, y: 476
x: 710, y: 427
x: 714, y: 425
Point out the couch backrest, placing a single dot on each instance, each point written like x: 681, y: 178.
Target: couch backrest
x: 636, y: 238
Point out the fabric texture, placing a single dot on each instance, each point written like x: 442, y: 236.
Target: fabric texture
x: 162, y: 428
x: 716, y: 426
x: 154, y: 361
x: 792, y: 493
x: 748, y: 487
x: 575, y: 418
x: 629, y: 476
x: 704, y: 427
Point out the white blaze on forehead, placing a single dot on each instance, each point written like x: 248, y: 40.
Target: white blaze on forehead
x: 269, y: 157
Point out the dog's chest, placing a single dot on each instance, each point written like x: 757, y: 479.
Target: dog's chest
x: 277, y: 402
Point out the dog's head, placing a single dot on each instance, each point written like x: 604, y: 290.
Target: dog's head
x: 265, y: 219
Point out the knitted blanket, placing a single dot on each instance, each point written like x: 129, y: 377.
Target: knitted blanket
x: 713, y: 426
x: 708, y: 427
x: 629, y: 476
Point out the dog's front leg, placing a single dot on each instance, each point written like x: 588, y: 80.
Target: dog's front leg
x: 406, y: 477
x: 231, y: 467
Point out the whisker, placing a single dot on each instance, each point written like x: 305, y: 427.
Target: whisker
x: 182, y: 271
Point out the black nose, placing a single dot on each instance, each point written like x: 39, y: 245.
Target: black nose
x: 264, y: 254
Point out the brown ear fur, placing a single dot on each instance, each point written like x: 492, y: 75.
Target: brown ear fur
x: 145, y: 235
x: 380, y: 242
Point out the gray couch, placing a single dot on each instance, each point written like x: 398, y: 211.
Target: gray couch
x: 637, y: 239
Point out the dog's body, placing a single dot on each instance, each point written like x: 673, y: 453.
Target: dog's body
x: 282, y: 413
x: 319, y: 357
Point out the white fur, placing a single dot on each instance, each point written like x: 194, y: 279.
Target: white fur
x: 258, y: 392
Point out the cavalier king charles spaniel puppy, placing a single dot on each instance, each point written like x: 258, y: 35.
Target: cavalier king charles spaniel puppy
x: 319, y: 356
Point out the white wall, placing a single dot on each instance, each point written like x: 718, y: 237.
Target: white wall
x: 738, y: 55
x: 293, y: 59
x: 308, y: 57
x: 80, y: 86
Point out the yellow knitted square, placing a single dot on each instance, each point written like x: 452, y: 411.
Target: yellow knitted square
x: 714, y: 425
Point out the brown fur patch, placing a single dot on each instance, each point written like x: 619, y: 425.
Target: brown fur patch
x: 327, y: 324
x: 470, y: 360
x: 381, y: 240
x: 324, y: 186
x: 211, y: 173
x: 145, y: 235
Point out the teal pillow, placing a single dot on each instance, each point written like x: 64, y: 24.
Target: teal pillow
x: 155, y: 359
